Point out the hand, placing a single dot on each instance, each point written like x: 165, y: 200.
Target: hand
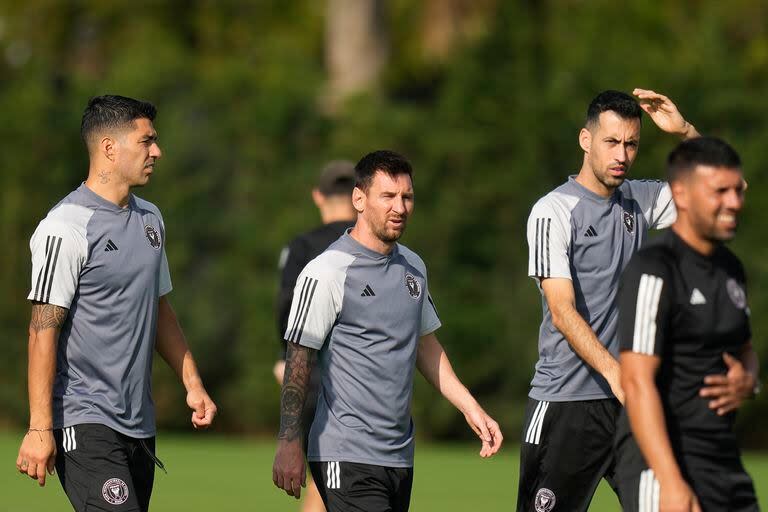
x: 678, y: 497
x: 36, y: 455
x: 664, y: 113
x: 279, y: 371
x: 730, y: 390
x: 487, y: 430
x: 203, y: 407
x: 288, y: 471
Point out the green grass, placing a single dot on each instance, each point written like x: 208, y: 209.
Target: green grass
x: 214, y: 473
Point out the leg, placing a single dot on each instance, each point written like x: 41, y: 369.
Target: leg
x: 142, y: 465
x: 312, y: 500
x: 92, y: 464
x: 402, y: 483
x: 351, y: 487
x: 567, y: 448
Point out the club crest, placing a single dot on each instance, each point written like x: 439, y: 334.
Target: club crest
x: 413, y: 286
x: 153, y: 237
x: 736, y: 293
x: 545, y: 500
x: 114, y: 491
x: 629, y: 222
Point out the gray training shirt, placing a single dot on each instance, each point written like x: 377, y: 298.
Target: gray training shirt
x: 365, y: 312
x: 107, y: 266
x: 576, y: 234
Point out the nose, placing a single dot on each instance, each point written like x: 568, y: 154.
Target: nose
x: 155, y: 151
x: 734, y: 199
x: 398, y: 205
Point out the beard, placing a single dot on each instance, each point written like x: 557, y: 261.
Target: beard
x: 388, y: 235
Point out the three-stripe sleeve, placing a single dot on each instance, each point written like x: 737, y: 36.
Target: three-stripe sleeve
x: 316, y: 303
x: 58, y: 255
x: 549, y: 238
x: 643, y: 305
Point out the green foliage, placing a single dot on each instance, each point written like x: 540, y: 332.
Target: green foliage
x: 238, y: 87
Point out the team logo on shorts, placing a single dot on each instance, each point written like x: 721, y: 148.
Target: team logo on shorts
x: 153, y: 236
x: 114, y: 491
x: 736, y: 293
x: 629, y: 222
x: 545, y: 500
x: 414, y: 288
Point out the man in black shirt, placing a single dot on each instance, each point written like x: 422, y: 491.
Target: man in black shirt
x: 684, y: 319
x: 333, y: 198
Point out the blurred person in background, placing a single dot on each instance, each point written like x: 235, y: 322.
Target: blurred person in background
x: 333, y: 197
x: 684, y: 320
x: 364, y: 306
x: 100, y: 283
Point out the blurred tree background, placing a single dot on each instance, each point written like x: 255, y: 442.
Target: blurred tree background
x: 486, y: 98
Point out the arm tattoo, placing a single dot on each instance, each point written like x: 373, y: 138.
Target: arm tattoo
x: 298, y: 365
x: 47, y: 316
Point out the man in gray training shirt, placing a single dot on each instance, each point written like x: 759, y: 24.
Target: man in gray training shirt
x: 364, y: 305
x: 99, y: 290
x: 580, y: 237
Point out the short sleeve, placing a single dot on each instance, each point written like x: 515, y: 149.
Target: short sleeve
x: 549, y: 236
x: 165, y: 273
x: 645, y: 302
x: 59, y: 252
x: 317, y: 299
x: 655, y: 199
x: 430, y: 321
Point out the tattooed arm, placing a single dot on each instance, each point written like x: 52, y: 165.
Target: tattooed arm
x: 288, y: 471
x: 38, y: 450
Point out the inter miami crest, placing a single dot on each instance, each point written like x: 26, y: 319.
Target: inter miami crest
x: 114, y: 491
x: 736, y: 293
x: 153, y: 236
x: 545, y: 500
x: 413, y: 286
x: 629, y: 222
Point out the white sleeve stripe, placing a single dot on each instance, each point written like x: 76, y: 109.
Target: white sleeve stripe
x: 52, y: 247
x: 541, y: 253
x: 648, y: 296
x: 302, y: 311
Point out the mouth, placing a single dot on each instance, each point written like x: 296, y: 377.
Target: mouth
x: 397, y: 223
x: 727, y: 219
x: 618, y: 171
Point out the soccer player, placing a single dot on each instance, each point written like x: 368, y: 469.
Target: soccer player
x: 333, y: 198
x: 580, y: 237
x: 684, y: 316
x: 99, y: 290
x: 364, y: 305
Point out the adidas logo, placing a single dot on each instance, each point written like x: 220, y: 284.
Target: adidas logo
x: 110, y: 246
x: 367, y: 291
x: 697, y: 297
x: 590, y: 232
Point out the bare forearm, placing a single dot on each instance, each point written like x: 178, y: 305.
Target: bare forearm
x: 172, y: 346
x: 298, y: 367
x: 44, y: 328
x: 750, y: 361
x: 584, y: 342
x: 433, y: 363
x: 646, y: 417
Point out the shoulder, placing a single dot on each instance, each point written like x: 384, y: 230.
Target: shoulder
x: 412, y: 258
x: 332, y: 264
x: 731, y: 262
x: 67, y: 216
x: 642, y: 188
x: 558, y: 203
x: 143, y: 204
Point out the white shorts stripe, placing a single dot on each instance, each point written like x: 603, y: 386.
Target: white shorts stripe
x: 532, y: 424
x: 65, y: 439
x: 541, y: 422
x: 648, y: 492
x: 328, y: 470
x: 338, y: 476
x: 74, y: 438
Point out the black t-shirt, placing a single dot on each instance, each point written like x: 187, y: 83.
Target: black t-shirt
x: 688, y: 309
x: 302, y: 249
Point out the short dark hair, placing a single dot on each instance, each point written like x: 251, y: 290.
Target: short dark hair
x: 383, y: 160
x: 614, y: 101
x: 709, y: 151
x: 113, y: 112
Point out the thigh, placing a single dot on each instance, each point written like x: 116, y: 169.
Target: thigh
x: 92, y: 464
x: 721, y: 485
x: 567, y: 448
x: 401, y: 483
x: 352, y: 487
x: 142, y: 466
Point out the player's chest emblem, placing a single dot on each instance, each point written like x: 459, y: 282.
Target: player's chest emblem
x: 153, y: 237
x: 736, y: 293
x: 629, y: 222
x: 413, y: 286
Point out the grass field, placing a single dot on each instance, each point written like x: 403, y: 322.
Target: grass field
x: 213, y: 473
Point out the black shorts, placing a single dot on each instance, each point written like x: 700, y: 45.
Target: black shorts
x: 101, y: 469
x: 566, y: 449
x: 719, y: 483
x: 353, y: 487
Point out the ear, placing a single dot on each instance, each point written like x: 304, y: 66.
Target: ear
x: 358, y: 199
x: 318, y: 198
x: 108, y: 148
x: 680, y: 194
x: 585, y: 140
